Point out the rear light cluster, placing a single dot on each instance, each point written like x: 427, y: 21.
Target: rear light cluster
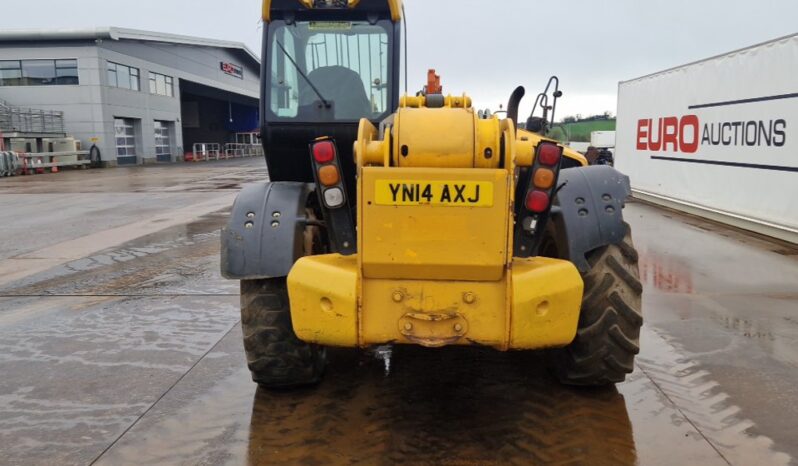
x: 328, y: 173
x: 543, y: 177
x: 538, y: 188
x: 331, y: 190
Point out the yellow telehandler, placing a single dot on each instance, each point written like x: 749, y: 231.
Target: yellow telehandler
x: 415, y: 219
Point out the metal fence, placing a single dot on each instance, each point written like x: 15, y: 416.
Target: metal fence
x: 206, y: 151
x: 254, y: 150
x: 10, y: 164
x: 29, y: 120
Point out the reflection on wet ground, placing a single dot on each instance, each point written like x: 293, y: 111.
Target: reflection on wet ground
x: 665, y: 273
x: 441, y: 407
x: 211, y: 177
x: 450, y: 406
x: 184, y: 256
x: 133, y: 355
x: 454, y: 406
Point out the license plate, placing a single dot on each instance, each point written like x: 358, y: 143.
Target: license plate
x: 436, y: 193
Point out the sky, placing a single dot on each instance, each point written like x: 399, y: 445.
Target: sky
x: 486, y: 48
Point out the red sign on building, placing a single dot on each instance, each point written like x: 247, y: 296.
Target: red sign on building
x: 232, y: 70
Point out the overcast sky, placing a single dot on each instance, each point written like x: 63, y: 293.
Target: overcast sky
x: 485, y: 47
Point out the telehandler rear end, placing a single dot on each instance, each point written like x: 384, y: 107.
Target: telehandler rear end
x: 416, y: 219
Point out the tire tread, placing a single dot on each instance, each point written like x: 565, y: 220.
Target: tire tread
x: 275, y: 356
x: 608, y: 336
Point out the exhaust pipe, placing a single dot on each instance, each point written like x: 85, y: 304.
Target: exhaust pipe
x: 515, y: 101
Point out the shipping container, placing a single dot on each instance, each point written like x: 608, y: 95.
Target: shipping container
x: 718, y: 137
x: 602, y: 139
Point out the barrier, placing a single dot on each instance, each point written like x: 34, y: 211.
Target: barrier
x: 234, y: 149
x: 38, y: 162
x: 254, y: 150
x: 12, y: 163
x: 206, y: 151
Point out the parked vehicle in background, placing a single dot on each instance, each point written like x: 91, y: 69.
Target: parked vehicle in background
x: 602, y: 139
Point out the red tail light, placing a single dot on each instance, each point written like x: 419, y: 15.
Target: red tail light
x: 324, y: 151
x: 537, y: 201
x: 549, y: 154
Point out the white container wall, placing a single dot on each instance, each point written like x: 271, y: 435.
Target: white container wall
x: 603, y: 139
x: 718, y: 137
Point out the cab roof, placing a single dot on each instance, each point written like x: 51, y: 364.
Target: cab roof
x: 388, y: 7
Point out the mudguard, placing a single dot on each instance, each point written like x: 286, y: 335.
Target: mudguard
x: 587, y: 212
x: 264, y: 236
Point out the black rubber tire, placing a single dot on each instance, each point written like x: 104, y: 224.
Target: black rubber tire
x: 95, y: 157
x: 275, y: 356
x: 608, y: 335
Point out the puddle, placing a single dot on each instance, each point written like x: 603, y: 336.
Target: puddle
x: 705, y: 404
x: 447, y: 406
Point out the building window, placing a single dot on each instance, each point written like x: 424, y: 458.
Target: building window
x: 125, y: 132
x: 163, y: 150
x: 125, y: 77
x: 38, y: 72
x: 161, y: 84
x: 10, y: 73
x: 66, y: 72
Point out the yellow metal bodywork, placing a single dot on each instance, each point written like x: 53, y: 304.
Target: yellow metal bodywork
x: 469, y: 142
x: 432, y: 241
x: 325, y: 309
x: 546, y: 297
x: 395, y: 7
x: 527, y: 142
x: 466, y: 144
x: 449, y: 101
x: 418, y: 144
x: 434, y: 271
x: 536, y: 305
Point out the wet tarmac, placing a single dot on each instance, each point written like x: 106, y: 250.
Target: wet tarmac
x: 126, y: 349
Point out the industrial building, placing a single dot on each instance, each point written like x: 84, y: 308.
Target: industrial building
x: 139, y: 96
